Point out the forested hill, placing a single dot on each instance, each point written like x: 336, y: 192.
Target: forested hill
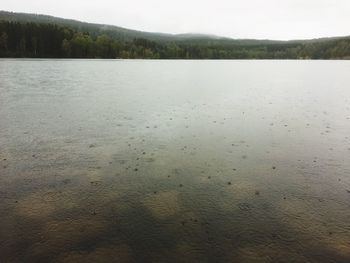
x: 40, y: 36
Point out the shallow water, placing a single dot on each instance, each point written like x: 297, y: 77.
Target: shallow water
x: 174, y: 161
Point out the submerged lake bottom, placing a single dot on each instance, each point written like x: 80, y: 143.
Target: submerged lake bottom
x: 174, y: 161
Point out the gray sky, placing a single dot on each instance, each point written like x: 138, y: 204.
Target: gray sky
x: 273, y: 19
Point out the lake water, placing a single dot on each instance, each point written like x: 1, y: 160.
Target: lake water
x: 174, y: 161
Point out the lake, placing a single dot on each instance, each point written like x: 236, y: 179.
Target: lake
x: 174, y: 161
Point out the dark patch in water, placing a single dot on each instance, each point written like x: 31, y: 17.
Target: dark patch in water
x: 244, y: 206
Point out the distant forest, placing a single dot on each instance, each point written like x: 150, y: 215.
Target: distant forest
x: 50, y: 40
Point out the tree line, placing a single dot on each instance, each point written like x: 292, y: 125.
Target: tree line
x: 46, y: 40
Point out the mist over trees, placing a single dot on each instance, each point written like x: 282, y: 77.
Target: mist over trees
x: 49, y: 40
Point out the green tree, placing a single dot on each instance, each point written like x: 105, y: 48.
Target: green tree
x: 104, y: 46
x: 35, y: 46
x: 125, y: 54
x: 81, y: 45
x: 3, y: 41
x: 66, y: 48
x: 22, y: 46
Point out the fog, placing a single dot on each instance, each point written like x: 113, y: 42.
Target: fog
x: 272, y: 19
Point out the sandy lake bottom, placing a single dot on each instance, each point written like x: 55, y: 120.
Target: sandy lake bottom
x: 174, y: 161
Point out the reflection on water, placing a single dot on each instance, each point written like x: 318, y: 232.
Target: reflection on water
x: 174, y: 161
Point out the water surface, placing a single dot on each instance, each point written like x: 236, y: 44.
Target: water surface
x: 174, y: 161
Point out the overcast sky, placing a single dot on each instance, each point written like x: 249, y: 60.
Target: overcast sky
x: 273, y: 19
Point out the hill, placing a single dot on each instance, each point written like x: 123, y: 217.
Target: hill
x: 120, y: 33
x: 32, y: 35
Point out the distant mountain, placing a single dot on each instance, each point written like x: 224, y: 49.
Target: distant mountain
x: 120, y: 32
x: 94, y: 29
x: 32, y: 35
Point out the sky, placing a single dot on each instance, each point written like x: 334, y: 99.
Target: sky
x: 259, y: 19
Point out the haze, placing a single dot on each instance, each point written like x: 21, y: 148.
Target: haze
x: 268, y: 19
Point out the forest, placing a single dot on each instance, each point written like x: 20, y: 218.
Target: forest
x: 22, y: 39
